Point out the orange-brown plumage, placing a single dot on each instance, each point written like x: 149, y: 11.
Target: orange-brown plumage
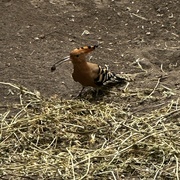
x: 84, y: 72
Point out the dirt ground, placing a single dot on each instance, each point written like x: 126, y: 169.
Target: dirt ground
x: 140, y: 38
x: 134, y: 36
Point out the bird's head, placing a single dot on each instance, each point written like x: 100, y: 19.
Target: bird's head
x: 76, y: 56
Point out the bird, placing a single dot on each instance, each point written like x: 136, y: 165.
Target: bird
x: 87, y: 73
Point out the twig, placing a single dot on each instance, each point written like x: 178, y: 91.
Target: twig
x: 22, y: 89
x: 157, y: 84
x: 141, y: 17
x: 125, y: 88
x: 177, y: 167
x: 89, y: 160
x: 138, y: 63
x: 113, y: 175
x: 162, y: 68
x: 72, y: 163
x: 157, y: 172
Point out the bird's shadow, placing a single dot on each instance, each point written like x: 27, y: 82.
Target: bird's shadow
x: 94, y: 95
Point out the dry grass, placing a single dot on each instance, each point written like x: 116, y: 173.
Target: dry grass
x: 76, y: 139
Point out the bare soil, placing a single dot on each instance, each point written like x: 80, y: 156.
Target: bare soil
x: 37, y: 33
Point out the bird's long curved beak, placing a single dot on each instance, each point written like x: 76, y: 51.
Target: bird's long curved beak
x: 53, y: 68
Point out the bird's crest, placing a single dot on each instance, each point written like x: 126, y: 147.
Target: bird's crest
x: 83, y: 50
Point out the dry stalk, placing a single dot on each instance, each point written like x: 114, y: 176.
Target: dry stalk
x: 76, y: 139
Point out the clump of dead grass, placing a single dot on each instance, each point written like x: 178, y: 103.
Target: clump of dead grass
x: 75, y: 139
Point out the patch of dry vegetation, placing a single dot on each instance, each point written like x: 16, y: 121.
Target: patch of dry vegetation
x: 76, y: 139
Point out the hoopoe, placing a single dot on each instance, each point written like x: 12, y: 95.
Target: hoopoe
x: 89, y: 74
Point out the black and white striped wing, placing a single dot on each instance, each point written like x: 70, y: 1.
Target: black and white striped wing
x: 105, y: 77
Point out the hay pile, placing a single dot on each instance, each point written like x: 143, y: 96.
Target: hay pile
x: 75, y: 139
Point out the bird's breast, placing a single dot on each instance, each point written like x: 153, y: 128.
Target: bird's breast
x: 83, y: 75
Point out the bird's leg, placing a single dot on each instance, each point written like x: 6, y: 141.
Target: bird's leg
x: 97, y: 92
x: 80, y: 93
